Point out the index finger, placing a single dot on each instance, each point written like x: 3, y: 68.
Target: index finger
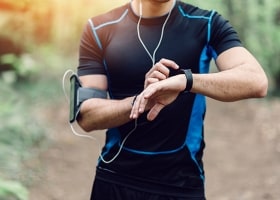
x: 169, y: 63
x: 136, y: 110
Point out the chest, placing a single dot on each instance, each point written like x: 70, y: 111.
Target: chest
x: 129, y: 51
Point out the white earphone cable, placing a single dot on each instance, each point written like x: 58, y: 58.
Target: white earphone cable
x: 161, y: 36
x: 121, y: 145
x: 63, y: 83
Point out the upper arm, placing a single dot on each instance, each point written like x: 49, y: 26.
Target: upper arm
x: 91, y: 70
x: 236, y: 57
x: 98, y: 81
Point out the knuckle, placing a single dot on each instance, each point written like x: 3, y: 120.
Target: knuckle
x: 147, y: 75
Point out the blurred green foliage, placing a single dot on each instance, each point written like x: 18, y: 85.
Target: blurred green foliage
x: 59, y: 24
x: 20, y: 140
x: 11, y: 190
x: 55, y: 23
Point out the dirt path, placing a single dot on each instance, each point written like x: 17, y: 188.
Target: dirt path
x: 242, y: 156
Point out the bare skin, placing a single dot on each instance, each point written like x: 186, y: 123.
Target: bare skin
x: 96, y: 114
x: 152, y: 8
x: 240, y: 76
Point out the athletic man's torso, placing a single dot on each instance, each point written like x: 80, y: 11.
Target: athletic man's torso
x: 168, y: 151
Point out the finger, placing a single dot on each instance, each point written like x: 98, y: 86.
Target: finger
x: 153, y: 113
x: 155, y: 75
x: 152, y: 89
x: 147, y: 97
x: 169, y: 63
x: 142, y: 104
x: 162, y: 69
x: 133, y: 112
x: 159, y: 75
x: 158, y: 67
x: 136, y: 111
x: 150, y: 81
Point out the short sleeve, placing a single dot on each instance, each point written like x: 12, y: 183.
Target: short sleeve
x: 90, y: 52
x: 223, y: 36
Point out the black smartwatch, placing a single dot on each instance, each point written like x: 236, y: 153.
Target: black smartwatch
x: 189, y: 77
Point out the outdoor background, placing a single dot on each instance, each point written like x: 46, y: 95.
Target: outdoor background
x: 40, y: 158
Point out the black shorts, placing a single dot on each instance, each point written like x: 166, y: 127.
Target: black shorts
x: 107, y: 187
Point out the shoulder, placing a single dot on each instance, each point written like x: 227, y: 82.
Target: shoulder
x: 195, y: 12
x: 111, y: 16
x: 192, y: 11
x: 209, y: 16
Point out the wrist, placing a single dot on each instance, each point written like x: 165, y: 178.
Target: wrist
x: 133, y: 100
x: 188, y: 76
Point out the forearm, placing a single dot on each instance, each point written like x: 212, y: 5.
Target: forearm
x: 231, y: 85
x: 97, y: 114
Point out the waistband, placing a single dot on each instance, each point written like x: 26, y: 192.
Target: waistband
x: 150, y: 186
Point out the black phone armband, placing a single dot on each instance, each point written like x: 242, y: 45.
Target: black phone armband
x: 79, y: 94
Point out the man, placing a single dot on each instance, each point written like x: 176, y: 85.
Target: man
x: 153, y: 56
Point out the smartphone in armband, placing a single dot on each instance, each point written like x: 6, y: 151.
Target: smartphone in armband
x: 79, y: 94
x: 75, y: 84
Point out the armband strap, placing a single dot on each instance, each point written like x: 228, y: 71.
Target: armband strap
x: 88, y: 93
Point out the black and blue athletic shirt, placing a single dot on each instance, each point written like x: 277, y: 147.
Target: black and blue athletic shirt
x: 169, y: 149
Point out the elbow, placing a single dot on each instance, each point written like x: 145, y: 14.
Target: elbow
x: 85, y: 128
x: 262, y: 89
x: 84, y: 125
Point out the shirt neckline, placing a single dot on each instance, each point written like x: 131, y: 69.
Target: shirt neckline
x: 151, y: 20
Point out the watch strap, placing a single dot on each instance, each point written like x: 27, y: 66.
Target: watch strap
x: 189, y: 77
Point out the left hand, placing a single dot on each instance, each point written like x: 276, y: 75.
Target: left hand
x: 160, y: 71
x: 158, y: 95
